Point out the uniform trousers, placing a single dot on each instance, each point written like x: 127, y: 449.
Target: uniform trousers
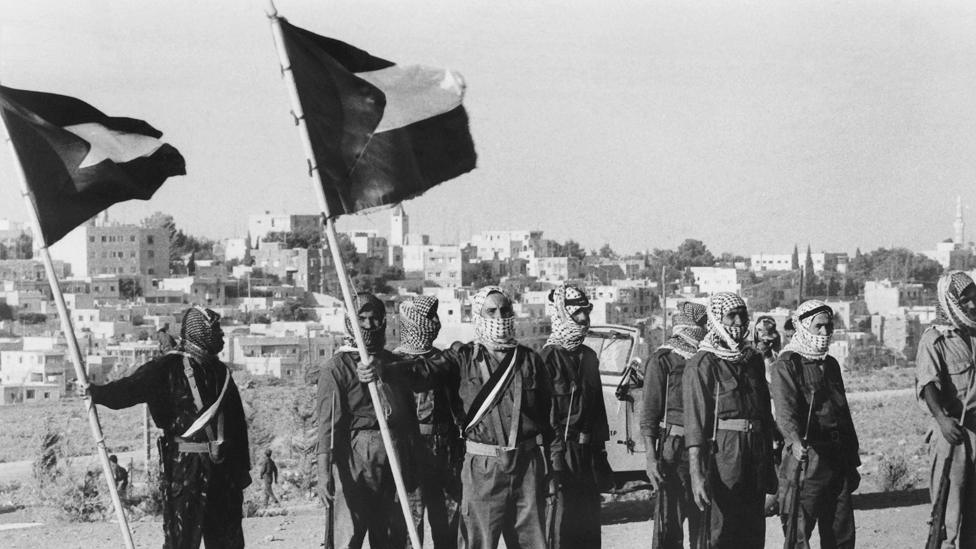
x: 200, y: 502
x: 503, y: 497
x: 675, y: 500
x: 578, y: 509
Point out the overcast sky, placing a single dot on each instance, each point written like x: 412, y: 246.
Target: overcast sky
x: 749, y: 125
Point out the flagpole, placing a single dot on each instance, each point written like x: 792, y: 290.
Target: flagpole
x: 340, y: 267
x: 69, y: 336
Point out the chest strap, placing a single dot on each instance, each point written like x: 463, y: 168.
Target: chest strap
x: 215, y: 440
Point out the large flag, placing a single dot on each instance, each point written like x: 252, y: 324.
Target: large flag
x: 79, y: 161
x: 381, y: 133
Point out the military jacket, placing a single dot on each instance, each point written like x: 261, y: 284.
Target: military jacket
x: 665, y: 367
x: 796, y: 382
x: 577, y: 392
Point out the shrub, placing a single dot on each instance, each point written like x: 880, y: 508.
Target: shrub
x: 895, y: 474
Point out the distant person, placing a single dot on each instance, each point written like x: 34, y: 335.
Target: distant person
x: 944, y: 380
x: 269, y: 474
x: 788, y: 330
x: 808, y: 390
x: 119, y: 475
x: 166, y: 341
x: 728, y: 428
x: 579, y: 413
x: 766, y: 340
x: 206, y: 464
x: 662, y: 426
x: 439, y: 459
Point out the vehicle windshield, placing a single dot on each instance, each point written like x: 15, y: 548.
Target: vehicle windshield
x: 612, y: 347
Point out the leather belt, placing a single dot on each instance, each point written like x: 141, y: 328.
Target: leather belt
x: 741, y: 425
x: 492, y: 450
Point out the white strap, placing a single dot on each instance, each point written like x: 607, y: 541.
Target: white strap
x: 486, y: 405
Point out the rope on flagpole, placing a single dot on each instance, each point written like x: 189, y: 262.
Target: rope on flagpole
x: 69, y: 336
x: 299, y: 115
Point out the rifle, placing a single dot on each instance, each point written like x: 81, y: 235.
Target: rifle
x: 659, y: 501
x: 330, y: 498
x: 797, y: 484
x: 704, y: 540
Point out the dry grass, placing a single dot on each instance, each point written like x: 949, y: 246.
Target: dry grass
x: 892, y: 377
x: 891, y: 429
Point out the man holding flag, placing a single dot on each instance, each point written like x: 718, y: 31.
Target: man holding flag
x: 74, y: 161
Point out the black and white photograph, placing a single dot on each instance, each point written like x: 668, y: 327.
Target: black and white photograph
x: 451, y: 274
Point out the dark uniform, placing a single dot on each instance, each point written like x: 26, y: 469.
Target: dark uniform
x: 741, y: 471
x: 577, y: 402
x: 359, y: 455
x: 832, y: 442
x: 202, y: 490
x: 438, y: 463
x: 502, y: 475
x: 269, y: 474
x: 662, y: 383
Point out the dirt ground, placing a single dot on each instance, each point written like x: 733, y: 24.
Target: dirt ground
x: 883, y: 521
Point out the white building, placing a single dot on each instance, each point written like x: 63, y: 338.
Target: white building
x: 554, y: 269
x: 259, y: 225
x: 711, y: 280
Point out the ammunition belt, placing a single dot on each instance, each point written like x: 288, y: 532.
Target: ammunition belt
x: 741, y: 425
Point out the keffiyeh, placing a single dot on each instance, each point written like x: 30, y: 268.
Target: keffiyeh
x: 948, y: 311
x: 688, y: 330
x: 419, y: 325
x: 493, y: 333
x: 200, y: 332
x: 374, y: 339
x: 805, y: 342
x: 725, y: 342
x: 564, y: 302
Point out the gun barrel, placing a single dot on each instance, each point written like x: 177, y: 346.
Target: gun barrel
x: 937, y: 524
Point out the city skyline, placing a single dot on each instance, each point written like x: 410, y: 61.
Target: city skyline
x: 637, y: 125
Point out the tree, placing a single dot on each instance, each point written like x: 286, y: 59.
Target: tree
x: 25, y: 246
x: 191, y: 264
x: 570, y: 248
x: 32, y: 318
x: 6, y: 311
x: 809, y: 277
x: 693, y: 253
x: 795, y: 259
x: 607, y: 252
x: 305, y: 237
x: 129, y: 288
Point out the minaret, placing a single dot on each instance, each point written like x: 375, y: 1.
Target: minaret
x: 399, y: 226
x: 959, y: 225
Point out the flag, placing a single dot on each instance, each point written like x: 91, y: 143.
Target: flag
x: 79, y: 161
x: 380, y: 132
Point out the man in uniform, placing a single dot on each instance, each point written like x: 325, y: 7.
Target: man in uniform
x: 663, y: 416
x: 269, y: 474
x: 345, y: 406
x: 728, y: 426
x: 808, y: 390
x: 504, y: 398
x: 944, y: 381
x: 579, y: 413
x: 204, y: 448
x: 438, y: 461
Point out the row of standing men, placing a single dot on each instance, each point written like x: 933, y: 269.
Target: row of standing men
x: 489, y: 429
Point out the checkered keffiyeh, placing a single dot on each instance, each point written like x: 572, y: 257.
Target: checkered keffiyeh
x: 419, y: 325
x: 805, y: 342
x: 564, y: 302
x: 688, y: 330
x: 766, y: 325
x: 725, y: 342
x: 201, y: 331
x: 948, y: 311
x: 493, y: 333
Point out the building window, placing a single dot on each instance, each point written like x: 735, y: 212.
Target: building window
x: 132, y: 238
x: 149, y: 240
x: 47, y: 395
x: 30, y: 393
x: 150, y: 254
x: 91, y: 238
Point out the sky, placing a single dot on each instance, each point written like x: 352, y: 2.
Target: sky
x: 752, y: 126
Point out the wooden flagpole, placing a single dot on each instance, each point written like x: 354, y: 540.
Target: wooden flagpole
x: 340, y: 267
x: 69, y: 336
